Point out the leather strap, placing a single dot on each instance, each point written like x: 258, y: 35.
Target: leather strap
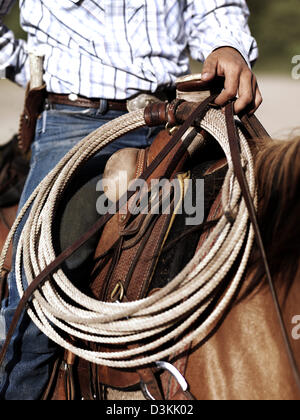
x: 149, y: 383
x: 198, y: 113
x: 253, y: 126
x: 238, y: 170
x: 80, y: 101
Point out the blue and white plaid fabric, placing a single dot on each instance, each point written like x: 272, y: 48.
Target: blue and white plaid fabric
x: 115, y: 48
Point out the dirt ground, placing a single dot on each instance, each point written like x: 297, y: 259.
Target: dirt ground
x: 279, y: 113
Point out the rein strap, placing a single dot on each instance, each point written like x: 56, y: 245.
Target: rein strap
x: 239, y: 172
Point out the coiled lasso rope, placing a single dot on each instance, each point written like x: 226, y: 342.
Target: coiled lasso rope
x: 157, y: 317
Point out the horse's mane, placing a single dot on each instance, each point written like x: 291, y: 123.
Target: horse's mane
x: 277, y: 168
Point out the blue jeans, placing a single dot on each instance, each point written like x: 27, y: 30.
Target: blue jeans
x: 30, y: 356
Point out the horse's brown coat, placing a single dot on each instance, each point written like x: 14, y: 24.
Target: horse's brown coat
x: 246, y: 358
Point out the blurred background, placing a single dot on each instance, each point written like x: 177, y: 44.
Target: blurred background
x: 275, y: 25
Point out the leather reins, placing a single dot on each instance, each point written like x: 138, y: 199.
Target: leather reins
x: 239, y: 173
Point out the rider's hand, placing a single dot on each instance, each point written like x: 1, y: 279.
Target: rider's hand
x: 239, y: 80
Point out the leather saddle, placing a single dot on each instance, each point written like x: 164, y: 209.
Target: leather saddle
x: 129, y: 247
x: 125, y: 255
x: 125, y: 262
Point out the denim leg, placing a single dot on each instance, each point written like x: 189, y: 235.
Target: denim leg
x: 26, y: 370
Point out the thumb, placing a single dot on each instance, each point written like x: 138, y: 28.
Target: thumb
x: 209, y: 70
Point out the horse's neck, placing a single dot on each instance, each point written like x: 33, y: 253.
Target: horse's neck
x: 246, y: 358
x: 278, y: 179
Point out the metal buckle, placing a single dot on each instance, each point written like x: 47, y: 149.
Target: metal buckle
x: 141, y: 101
x: 173, y: 371
x: 171, y: 130
x: 117, y: 294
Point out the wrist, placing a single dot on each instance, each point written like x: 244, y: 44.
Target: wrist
x: 233, y: 51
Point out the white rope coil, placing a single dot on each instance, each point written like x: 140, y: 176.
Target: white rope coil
x: 185, y: 298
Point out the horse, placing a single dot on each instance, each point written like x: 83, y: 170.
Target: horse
x: 243, y: 356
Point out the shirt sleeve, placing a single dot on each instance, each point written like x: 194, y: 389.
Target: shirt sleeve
x: 212, y: 24
x: 13, y: 54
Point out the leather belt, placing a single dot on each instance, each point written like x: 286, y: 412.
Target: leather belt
x: 81, y: 101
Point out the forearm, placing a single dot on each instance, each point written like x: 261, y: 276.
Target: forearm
x: 213, y: 27
x: 13, y: 55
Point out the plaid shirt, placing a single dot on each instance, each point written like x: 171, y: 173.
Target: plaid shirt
x: 115, y: 48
